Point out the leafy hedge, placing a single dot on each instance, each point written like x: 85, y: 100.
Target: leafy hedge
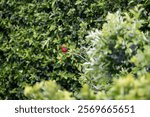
x: 122, y: 88
x: 128, y: 82
x: 141, y: 61
x: 47, y: 90
x: 33, y: 32
x: 113, y: 47
x: 130, y: 88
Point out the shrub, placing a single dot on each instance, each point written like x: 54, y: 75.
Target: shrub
x: 113, y: 47
x: 141, y: 61
x: 86, y: 93
x: 32, y: 33
x: 46, y: 90
x: 122, y: 88
x: 130, y: 88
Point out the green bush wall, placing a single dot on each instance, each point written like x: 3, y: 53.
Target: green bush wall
x: 31, y: 36
x: 113, y: 47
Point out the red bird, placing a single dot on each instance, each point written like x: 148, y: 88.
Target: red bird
x: 64, y: 49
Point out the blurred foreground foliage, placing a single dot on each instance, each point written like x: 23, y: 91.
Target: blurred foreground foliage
x: 47, y: 90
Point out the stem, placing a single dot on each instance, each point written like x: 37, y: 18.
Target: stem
x: 81, y: 57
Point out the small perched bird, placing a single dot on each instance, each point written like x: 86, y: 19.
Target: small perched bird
x: 64, y: 48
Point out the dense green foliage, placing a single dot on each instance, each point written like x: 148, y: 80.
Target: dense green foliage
x: 33, y: 32
x: 113, y: 47
x: 133, y: 85
x: 141, y: 61
x: 123, y: 88
x: 47, y: 90
x: 130, y: 88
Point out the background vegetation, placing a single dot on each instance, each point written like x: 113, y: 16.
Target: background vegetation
x: 107, y: 43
